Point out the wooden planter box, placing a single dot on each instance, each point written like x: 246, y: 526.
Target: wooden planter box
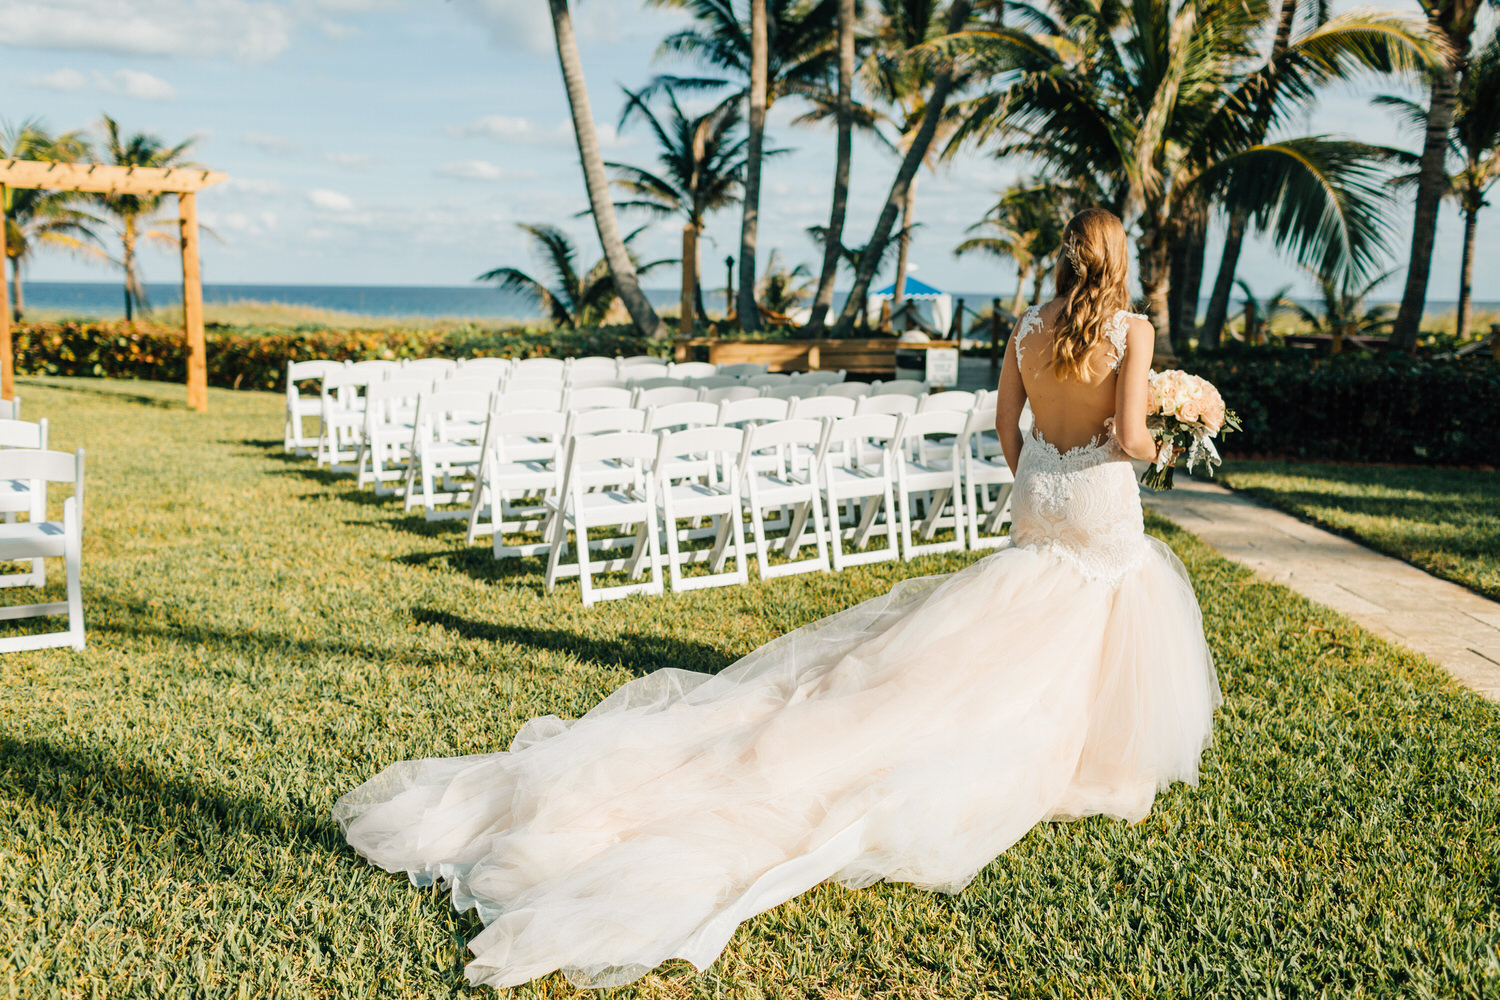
x: 869, y: 356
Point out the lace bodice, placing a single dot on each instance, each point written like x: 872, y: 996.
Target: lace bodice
x: 1114, y: 332
x: 1081, y: 504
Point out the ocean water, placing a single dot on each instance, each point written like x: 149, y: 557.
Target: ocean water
x: 105, y: 299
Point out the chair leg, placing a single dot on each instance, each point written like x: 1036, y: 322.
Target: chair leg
x: 73, y: 559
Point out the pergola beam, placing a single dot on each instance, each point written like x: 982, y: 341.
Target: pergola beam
x: 103, y: 178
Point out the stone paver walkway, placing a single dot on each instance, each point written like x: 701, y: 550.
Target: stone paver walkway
x: 1393, y: 599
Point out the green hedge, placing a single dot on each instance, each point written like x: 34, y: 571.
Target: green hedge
x: 1359, y: 408
x: 256, y: 359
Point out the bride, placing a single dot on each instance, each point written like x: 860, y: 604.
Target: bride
x: 909, y: 738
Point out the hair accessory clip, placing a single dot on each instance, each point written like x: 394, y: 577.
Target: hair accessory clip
x: 1070, y: 254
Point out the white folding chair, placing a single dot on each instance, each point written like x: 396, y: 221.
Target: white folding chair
x: 681, y: 416
x: 459, y: 382
x: 766, y: 484
x: 900, y: 387
x: 531, y: 399
x: 656, y: 382
x: 591, y: 370
x: 753, y: 410
x: 661, y: 395
x: 598, y: 397
x: 821, y: 407
x: 710, y: 382
x: 519, y: 471
x: 684, y: 493
x: 43, y: 539
x: 868, y: 487
x: 294, y: 439
x: 818, y: 377
x: 540, y: 369
x: 958, y: 400
x: 341, y: 413
x: 497, y: 368
x: 627, y: 499
x: 790, y: 391
x: 385, y: 438
x: 743, y: 369
x: 720, y: 394
x: 850, y: 390
x: 692, y: 369
x: 984, y: 468
x: 621, y: 364
x: 640, y: 375
x: 895, y: 405
x: 446, y: 447
x: 600, y: 381
x: 377, y: 370
x: 10, y: 409
x: 937, y: 484
x: 24, y: 496
x: 765, y: 381
x: 431, y: 369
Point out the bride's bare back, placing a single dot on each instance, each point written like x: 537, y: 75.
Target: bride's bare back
x: 1070, y: 412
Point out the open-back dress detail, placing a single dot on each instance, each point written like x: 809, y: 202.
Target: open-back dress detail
x: 912, y: 738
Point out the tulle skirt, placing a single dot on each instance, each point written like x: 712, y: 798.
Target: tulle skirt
x: 910, y: 738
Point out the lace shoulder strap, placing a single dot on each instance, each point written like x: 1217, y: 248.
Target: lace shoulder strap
x: 1119, y: 326
x: 1031, y: 321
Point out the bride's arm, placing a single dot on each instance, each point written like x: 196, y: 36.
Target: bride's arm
x: 1130, y: 391
x: 1010, y: 399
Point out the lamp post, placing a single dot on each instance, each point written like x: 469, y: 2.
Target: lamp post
x: 728, y: 285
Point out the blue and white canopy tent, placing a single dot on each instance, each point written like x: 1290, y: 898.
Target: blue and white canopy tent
x: 917, y: 293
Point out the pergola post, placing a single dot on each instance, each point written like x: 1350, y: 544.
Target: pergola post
x: 7, y: 362
x: 192, y: 303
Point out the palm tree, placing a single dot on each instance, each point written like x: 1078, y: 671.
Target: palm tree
x: 1025, y: 226
x: 844, y: 122
x: 785, y: 48
x: 856, y: 259
x: 577, y: 298
x: 783, y: 288
x: 36, y: 217
x: 946, y: 76
x: 702, y: 164
x: 1145, y: 101
x: 1258, y: 313
x: 136, y: 212
x: 1453, y: 21
x: 1344, y: 313
x: 627, y: 282
x: 1475, y: 145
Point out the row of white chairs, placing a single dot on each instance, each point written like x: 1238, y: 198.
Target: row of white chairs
x: 27, y: 466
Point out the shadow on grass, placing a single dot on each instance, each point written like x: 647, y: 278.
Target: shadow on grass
x: 633, y: 651
x: 56, y: 775
x: 160, y: 402
x: 475, y: 561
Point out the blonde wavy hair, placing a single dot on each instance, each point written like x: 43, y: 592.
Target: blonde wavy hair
x: 1093, y: 282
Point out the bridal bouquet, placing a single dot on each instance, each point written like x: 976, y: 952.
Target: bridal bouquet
x: 1184, y: 413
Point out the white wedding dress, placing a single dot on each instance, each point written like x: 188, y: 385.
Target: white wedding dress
x: 909, y: 738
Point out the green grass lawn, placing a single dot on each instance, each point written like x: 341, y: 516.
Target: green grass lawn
x: 1447, y: 521
x: 263, y: 637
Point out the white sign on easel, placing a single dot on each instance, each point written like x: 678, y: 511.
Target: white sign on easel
x: 942, y: 367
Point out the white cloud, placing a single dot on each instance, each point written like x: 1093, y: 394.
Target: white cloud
x: 129, y: 82
x: 63, y: 79
x: 350, y: 161
x: 247, y: 30
x: 269, y: 142
x: 483, y: 170
x: 526, y: 132
x: 249, y: 187
x: 511, y: 25
x: 332, y: 201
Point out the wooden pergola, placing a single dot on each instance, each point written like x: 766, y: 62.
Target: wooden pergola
x: 98, y: 178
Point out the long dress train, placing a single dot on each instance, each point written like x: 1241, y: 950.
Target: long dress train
x: 910, y: 738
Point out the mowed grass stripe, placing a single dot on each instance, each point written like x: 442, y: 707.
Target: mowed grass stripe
x: 262, y: 637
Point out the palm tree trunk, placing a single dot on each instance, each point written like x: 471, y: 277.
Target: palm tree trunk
x: 942, y: 87
x: 1465, y: 275
x: 132, y: 293
x: 823, y: 301
x: 1038, y: 285
x: 689, y: 278
x: 1234, y: 238
x: 1432, y: 181
x: 1189, y: 287
x: 1019, y: 302
x: 1154, y: 261
x: 903, y: 251
x: 1218, y: 302
x: 749, y: 312
x: 17, y: 298
x: 1177, y: 256
x: 627, y: 283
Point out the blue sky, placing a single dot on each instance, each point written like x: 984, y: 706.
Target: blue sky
x: 395, y: 142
